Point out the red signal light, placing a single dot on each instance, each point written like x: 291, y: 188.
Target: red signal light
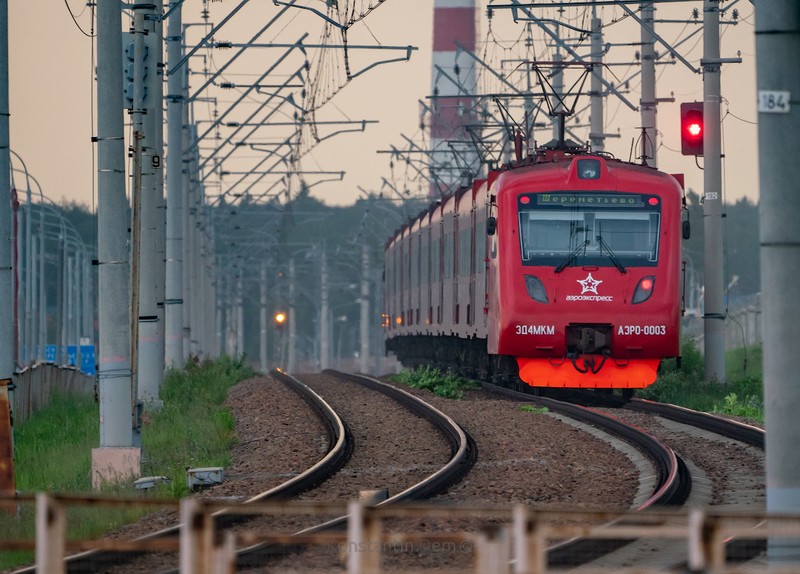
x: 692, y: 129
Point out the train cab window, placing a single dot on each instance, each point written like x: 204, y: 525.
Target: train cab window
x: 589, y: 228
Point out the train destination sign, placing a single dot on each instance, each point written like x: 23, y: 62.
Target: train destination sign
x: 589, y: 200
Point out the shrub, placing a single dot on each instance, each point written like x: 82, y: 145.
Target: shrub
x: 448, y: 385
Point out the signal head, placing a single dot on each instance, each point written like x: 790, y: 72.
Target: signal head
x: 692, y: 128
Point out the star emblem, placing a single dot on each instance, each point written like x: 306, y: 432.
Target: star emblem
x: 589, y: 285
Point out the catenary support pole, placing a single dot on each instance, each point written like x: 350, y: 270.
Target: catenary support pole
x: 364, y: 310
x: 597, y: 125
x: 324, y: 315
x: 173, y: 294
x: 714, y: 307
x: 30, y: 261
x: 778, y: 32
x: 116, y: 458
x: 156, y: 87
x: 137, y: 151
x: 291, y: 361
x: 263, y: 319
x: 648, y: 100
x: 6, y: 268
x: 239, y: 311
x: 149, y: 365
x: 43, y: 286
x: 186, y: 189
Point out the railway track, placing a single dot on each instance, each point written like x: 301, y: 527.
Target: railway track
x: 463, y: 453
x: 461, y: 450
x: 736, y: 550
x: 340, y: 447
x: 672, y: 488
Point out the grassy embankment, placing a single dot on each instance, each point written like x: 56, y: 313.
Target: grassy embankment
x: 742, y: 394
x: 53, y: 448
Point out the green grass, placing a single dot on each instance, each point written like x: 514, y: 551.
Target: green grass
x: 53, y: 449
x: 192, y: 429
x: 534, y: 409
x: 741, y: 395
x: 448, y: 385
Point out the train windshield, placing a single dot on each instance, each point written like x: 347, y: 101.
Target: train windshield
x: 604, y: 229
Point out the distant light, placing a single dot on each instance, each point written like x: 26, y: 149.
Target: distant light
x: 399, y: 319
x: 280, y: 317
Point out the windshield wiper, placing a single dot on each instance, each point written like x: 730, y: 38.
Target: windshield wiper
x: 614, y: 260
x: 560, y: 267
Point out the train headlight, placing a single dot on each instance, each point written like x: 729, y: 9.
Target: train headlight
x: 536, y: 289
x: 643, y: 289
x: 589, y: 169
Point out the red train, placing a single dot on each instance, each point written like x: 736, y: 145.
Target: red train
x: 563, y: 269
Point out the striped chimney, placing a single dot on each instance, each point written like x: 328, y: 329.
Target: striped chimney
x: 451, y: 106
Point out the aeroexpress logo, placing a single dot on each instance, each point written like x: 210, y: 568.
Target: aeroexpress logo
x: 589, y: 285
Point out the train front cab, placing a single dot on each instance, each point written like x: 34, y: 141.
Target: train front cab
x: 586, y: 273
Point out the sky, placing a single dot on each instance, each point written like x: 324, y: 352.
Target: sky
x: 52, y: 106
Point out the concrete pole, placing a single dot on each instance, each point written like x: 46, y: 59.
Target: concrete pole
x: 714, y: 309
x: 88, y: 297
x: 778, y: 32
x: 149, y: 365
x: 137, y: 113
x: 19, y: 296
x: 63, y: 294
x: 156, y: 117
x: 195, y: 267
x: 73, y: 309
x: 185, y: 226
x: 647, y: 103
x: 239, y: 312
x: 115, y: 459
x: 220, y: 312
x: 6, y: 264
x: 42, y: 287
x: 263, y: 319
x: 211, y: 306
x: 364, y: 309
x: 324, y: 315
x: 230, y: 326
x: 597, y: 136
x: 36, y: 255
x: 291, y: 361
x: 30, y: 261
x: 173, y: 286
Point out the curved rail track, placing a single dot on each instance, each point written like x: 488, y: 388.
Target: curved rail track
x: 673, y: 484
x: 340, y: 446
x: 463, y: 455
